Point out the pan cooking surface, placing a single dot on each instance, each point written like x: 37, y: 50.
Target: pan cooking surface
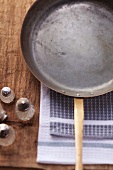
x: 71, y: 48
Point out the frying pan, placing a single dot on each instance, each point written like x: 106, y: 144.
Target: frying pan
x: 68, y: 45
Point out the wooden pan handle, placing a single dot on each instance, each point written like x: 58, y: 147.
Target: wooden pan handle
x: 78, y: 122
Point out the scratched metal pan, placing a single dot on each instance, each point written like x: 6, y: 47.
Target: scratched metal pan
x: 68, y: 45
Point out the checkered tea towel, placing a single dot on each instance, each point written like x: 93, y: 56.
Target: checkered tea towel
x: 98, y: 116
x: 56, y: 131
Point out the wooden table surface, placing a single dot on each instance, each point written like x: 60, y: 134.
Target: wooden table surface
x: 15, y: 74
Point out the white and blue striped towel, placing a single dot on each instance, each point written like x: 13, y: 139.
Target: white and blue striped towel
x: 56, y: 130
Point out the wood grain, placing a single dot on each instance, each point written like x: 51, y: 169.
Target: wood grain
x: 15, y: 74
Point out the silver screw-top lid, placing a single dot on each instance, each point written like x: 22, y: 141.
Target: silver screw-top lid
x: 3, y: 115
x: 4, y: 130
x: 7, y: 95
x: 23, y: 104
x: 7, y: 135
x: 6, y: 91
x: 24, y: 109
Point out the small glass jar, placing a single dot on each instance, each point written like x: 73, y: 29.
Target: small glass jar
x: 24, y: 109
x: 7, y: 95
x: 7, y: 135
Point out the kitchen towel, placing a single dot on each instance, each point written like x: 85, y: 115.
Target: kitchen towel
x: 98, y: 116
x: 56, y: 129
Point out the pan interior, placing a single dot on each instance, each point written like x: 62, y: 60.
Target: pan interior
x: 73, y: 47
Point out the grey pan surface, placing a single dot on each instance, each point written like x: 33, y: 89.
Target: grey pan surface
x: 68, y: 45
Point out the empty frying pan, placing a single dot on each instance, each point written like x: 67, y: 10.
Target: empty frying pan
x: 68, y: 45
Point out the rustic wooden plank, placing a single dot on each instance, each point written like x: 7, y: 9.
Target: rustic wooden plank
x: 15, y: 74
